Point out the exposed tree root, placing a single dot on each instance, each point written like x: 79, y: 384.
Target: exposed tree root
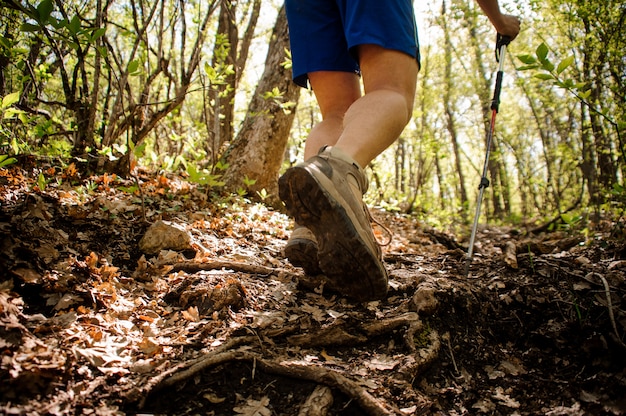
x: 141, y: 393
x: 195, y: 267
x: 336, y: 335
x: 343, y: 333
x: 322, y: 375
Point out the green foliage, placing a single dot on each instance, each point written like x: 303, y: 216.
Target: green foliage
x: 590, y: 86
x: 571, y: 220
x: 205, y: 177
x: 134, y: 68
x: 619, y: 193
x: 546, y: 70
x: 277, y: 97
x: 88, y: 188
x: 287, y: 63
x: 5, y: 160
x: 42, y: 182
x: 262, y: 194
x: 8, y: 100
x: 7, y: 117
x: 248, y: 182
x: 422, y: 338
x: 57, y: 148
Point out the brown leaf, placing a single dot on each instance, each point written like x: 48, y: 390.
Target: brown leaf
x: 28, y: 275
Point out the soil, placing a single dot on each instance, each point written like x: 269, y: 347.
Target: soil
x: 224, y: 325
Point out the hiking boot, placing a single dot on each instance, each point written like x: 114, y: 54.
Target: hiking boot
x: 301, y: 250
x: 325, y: 194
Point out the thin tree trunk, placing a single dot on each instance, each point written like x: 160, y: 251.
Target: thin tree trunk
x: 399, y: 165
x: 229, y: 51
x: 140, y: 118
x: 589, y: 164
x: 223, y: 94
x: 449, y: 110
x: 258, y: 150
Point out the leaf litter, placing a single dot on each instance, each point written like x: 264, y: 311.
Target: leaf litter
x: 216, y: 321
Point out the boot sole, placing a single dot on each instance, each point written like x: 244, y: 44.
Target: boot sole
x: 303, y: 253
x: 344, y: 257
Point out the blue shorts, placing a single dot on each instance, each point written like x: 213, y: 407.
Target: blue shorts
x: 324, y: 33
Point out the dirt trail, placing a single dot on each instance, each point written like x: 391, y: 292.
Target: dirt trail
x: 90, y: 324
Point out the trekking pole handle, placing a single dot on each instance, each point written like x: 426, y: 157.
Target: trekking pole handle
x: 501, y: 40
x: 501, y: 44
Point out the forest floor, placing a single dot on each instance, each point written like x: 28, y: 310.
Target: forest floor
x: 209, y: 318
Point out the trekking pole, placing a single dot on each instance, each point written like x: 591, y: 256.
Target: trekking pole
x: 501, y: 44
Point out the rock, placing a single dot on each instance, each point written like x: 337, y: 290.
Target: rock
x: 424, y: 299
x: 164, y: 235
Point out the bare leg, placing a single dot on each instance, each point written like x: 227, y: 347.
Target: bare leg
x: 335, y: 92
x: 375, y: 120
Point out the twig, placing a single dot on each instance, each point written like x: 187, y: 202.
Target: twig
x: 609, y: 303
x: 558, y: 217
x: 510, y: 255
x: 446, y: 336
x: 194, y: 267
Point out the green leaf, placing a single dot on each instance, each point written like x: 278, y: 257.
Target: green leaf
x: 542, y: 52
x: 128, y: 189
x: 133, y: 66
x: 140, y: 150
x: 527, y: 67
x: 58, y: 24
x: 28, y: 27
x: 74, y: 25
x: 580, y: 86
x: 544, y: 77
x: 527, y: 59
x: 547, y: 65
x: 564, y: 64
x: 5, y: 160
x: 97, y: 33
x: 10, y: 99
x: 5, y: 42
x: 42, y: 182
x: 44, y: 9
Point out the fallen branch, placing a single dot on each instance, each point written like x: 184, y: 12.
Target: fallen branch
x: 195, y: 267
x: 344, y: 333
x: 371, y: 405
x: 510, y: 254
x: 557, y: 218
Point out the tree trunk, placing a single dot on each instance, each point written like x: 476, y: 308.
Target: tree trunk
x: 222, y: 93
x: 257, y: 152
x: 228, y: 51
x: 399, y: 166
x: 450, y: 111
